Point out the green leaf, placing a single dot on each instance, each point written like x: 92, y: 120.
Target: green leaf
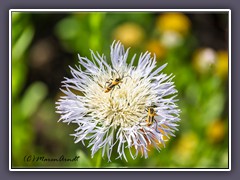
x: 19, y: 47
x: 32, y: 98
x: 84, y: 161
x: 19, y: 71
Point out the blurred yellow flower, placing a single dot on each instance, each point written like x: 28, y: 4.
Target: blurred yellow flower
x: 173, y: 22
x: 216, y: 131
x: 204, y: 59
x: 157, y: 48
x: 221, y: 68
x: 130, y: 34
x: 186, y: 146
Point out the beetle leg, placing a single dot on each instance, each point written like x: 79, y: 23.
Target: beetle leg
x: 112, y: 91
x: 107, y: 83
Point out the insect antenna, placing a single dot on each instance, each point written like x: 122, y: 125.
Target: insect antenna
x: 100, y: 85
x: 116, y: 72
x: 127, y: 76
x: 112, y: 91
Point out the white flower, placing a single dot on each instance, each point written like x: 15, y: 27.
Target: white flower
x: 171, y: 39
x: 118, y: 118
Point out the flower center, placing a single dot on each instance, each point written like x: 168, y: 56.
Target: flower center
x: 123, y: 106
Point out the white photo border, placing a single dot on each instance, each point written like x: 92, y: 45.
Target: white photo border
x: 120, y: 10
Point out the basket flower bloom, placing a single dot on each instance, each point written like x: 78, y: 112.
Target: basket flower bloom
x: 122, y: 107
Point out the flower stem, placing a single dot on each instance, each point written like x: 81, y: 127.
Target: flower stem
x: 99, y: 159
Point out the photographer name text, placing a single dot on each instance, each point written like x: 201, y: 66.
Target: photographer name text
x: 62, y: 158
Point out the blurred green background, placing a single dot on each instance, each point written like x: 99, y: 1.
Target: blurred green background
x: 195, y: 46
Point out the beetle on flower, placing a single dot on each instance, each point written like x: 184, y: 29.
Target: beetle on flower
x: 118, y: 119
